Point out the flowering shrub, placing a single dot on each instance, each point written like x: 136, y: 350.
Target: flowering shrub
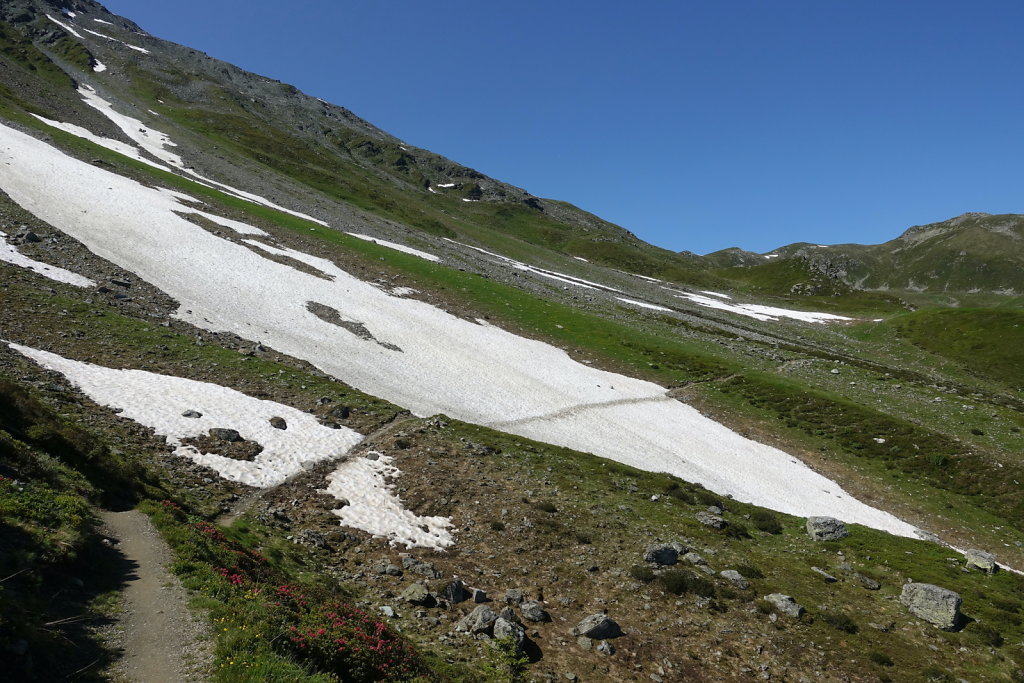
x: 345, y: 640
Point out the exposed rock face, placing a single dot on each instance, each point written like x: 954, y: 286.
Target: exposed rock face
x: 981, y: 560
x: 826, y: 529
x: 598, y: 627
x: 936, y: 605
x: 785, y: 605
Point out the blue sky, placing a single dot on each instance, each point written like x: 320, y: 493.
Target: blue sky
x: 696, y: 125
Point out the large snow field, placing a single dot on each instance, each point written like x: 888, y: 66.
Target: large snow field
x: 374, y: 508
x: 159, y: 401
x: 472, y: 372
x: 756, y: 311
x: 8, y: 254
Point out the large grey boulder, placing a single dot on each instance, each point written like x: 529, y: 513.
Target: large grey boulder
x: 504, y: 628
x: 785, y: 605
x: 480, y: 620
x: 936, y: 605
x: 598, y: 627
x: 826, y: 529
x: 711, y: 520
x: 416, y: 594
x: 663, y: 554
x: 533, y: 611
x: 981, y: 560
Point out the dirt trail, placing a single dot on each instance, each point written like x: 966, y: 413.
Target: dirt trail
x: 160, y: 639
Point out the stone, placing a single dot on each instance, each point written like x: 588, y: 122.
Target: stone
x: 387, y: 611
x: 503, y: 628
x: 278, y: 423
x: 826, y: 529
x: 391, y: 569
x: 824, y: 574
x: 934, y: 604
x: 533, y: 611
x: 735, y: 578
x: 713, y: 521
x: 340, y: 412
x: 192, y: 414
x: 785, y: 605
x: 480, y: 620
x: 606, y: 648
x: 513, y: 596
x: 508, y: 614
x: 419, y: 567
x: 981, y: 560
x: 585, y: 643
x: 455, y: 592
x: 664, y: 554
x: 695, y: 559
x: 31, y: 237
x: 416, y: 594
x: 866, y: 581
x: 479, y: 595
x: 598, y: 626
x: 230, y: 435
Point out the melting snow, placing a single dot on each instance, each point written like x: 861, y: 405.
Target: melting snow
x: 100, y: 67
x: 580, y: 258
x: 771, y: 256
x: 396, y: 247
x: 718, y: 294
x: 64, y: 26
x: 643, y: 304
x: 403, y: 291
x: 100, y: 21
x: 374, y: 508
x: 9, y: 254
x: 649, y: 279
x: 115, y: 40
x: 158, y: 402
x: 446, y: 185
x: 759, y: 312
x: 480, y: 374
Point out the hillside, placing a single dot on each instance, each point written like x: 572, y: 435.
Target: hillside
x: 401, y: 421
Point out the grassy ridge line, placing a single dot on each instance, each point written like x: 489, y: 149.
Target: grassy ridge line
x: 668, y: 361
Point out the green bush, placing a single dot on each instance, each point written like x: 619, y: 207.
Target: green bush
x: 766, y: 521
x: 679, y: 582
x: 880, y: 658
x: 641, y: 573
x: 841, y: 622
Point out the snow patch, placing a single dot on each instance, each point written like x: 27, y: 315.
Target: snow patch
x: 99, y: 67
x: 158, y: 401
x: 446, y: 185
x: 718, y: 294
x: 476, y: 373
x: 396, y: 246
x: 759, y: 312
x: 115, y: 40
x: 374, y: 508
x: 100, y: 21
x: 643, y: 304
x: 8, y: 254
x: 64, y: 26
x: 580, y: 258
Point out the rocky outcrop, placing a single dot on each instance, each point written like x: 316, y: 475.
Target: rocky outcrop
x: 826, y: 529
x: 936, y: 605
x: 981, y: 560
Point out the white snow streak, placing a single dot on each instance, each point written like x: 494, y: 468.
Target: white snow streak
x: 115, y: 40
x: 759, y: 312
x: 374, y: 508
x: 64, y: 26
x: 480, y: 374
x: 158, y: 402
x: 8, y: 254
x: 100, y: 21
x: 396, y: 246
x: 718, y: 294
x: 643, y: 304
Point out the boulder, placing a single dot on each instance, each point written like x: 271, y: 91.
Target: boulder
x: 981, y: 560
x: 533, y: 611
x: 866, y: 581
x: 194, y: 414
x: 735, y: 578
x: 936, y: 605
x: 826, y: 529
x: 514, y: 596
x: 455, y: 592
x: 663, y: 554
x: 417, y: 594
x: 278, y: 423
x: 504, y: 628
x: 229, y: 435
x: 598, y: 627
x: 713, y: 521
x: 480, y: 620
x: 824, y: 574
x: 785, y: 605
x: 695, y: 559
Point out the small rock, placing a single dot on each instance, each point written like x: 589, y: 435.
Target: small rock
x: 533, y: 611
x: 597, y: 626
x: 584, y: 642
x: 31, y: 237
x: 936, y: 605
x: 824, y: 574
x: 504, y: 628
x: 785, y: 605
x: 278, y: 423
x: 391, y: 569
x: 388, y: 612
x: 513, y: 596
x: 981, y: 560
x: 695, y: 559
x: 866, y: 581
x: 455, y: 592
x: 606, y: 648
x: 735, y: 578
x: 230, y: 435
x: 192, y: 414
x: 480, y: 620
x: 479, y: 595
x: 508, y: 614
x: 713, y: 521
x: 826, y: 529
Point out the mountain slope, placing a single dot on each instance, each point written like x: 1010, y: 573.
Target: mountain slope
x: 265, y: 274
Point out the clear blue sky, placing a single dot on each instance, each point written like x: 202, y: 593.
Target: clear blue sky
x: 697, y: 125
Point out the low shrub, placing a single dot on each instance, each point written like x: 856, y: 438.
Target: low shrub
x: 641, y: 573
x: 678, y: 582
x: 767, y: 521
